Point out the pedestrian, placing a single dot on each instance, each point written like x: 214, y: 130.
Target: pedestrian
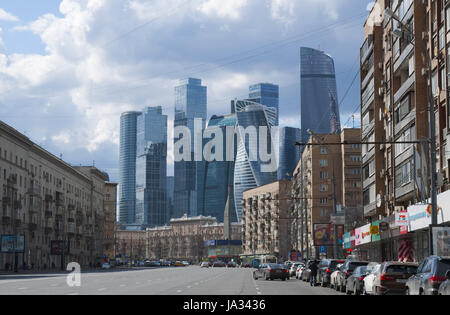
x: 313, y: 276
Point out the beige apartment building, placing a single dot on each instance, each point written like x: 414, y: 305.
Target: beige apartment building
x: 184, y: 239
x: 395, y: 102
x: 109, y: 223
x: 327, y: 182
x: 266, y: 221
x: 45, y: 201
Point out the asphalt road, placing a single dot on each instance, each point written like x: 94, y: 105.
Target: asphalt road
x: 191, y: 280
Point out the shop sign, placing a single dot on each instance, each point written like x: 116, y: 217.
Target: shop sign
x: 365, y: 234
x: 401, y: 218
x: 375, y: 231
x: 347, y: 240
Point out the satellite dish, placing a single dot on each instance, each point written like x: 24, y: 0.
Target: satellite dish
x: 379, y: 200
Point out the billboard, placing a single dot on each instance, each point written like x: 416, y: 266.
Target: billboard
x: 12, y: 244
x: 324, y: 234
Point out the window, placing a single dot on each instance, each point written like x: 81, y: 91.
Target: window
x: 323, y: 187
x: 323, y: 150
x: 355, y: 158
x: 323, y: 200
x: 324, y: 163
x: 323, y: 175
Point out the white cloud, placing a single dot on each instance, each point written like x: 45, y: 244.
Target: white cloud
x: 8, y: 17
x: 104, y: 57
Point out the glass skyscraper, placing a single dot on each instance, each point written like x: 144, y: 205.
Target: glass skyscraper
x: 266, y: 94
x: 127, y: 162
x: 190, y: 103
x: 319, y: 108
x: 219, y: 174
x: 250, y: 171
x: 289, y: 153
x: 151, y: 168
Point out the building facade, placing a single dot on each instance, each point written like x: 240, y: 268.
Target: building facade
x: 190, y: 104
x: 45, y: 201
x: 289, y: 153
x: 250, y: 169
x: 266, y: 220
x: 151, y: 168
x: 109, y: 225
x: 127, y: 164
x: 266, y: 94
x: 319, y: 108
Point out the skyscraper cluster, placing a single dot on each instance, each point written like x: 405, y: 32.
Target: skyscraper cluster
x: 149, y: 198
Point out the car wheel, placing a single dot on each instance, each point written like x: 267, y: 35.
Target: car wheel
x: 267, y: 277
x: 255, y: 277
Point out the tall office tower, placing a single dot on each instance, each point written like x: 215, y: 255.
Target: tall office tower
x: 151, y: 168
x: 170, y: 188
x: 319, y: 105
x: 127, y: 164
x: 289, y: 153
x: 250, y: 170
x: 266, y: 94
x: 219, y: 173
x: 190, y: 103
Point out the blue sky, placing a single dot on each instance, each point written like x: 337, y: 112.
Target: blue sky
x: 69, y: 68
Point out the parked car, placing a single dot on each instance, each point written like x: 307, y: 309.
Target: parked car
x: 271, y: 272
x: 293, y: 269
x: 325, y: 269
x: 355, y: 282
x: 346, y: 271
x: 391, y: 278
x: 334, y: 275
x: 369, y: 279
x: 231, y: 264
x: 246, y: 265
x: 444, y: 289
x: 220, y: 264
x: 299, y: 270
x: 306, y: 271
x: 429, y: 277
x: 204, y: 264
x: 185, y: 263
x: 106, y: 266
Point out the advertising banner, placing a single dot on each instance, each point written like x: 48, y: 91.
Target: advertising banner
x: 357, y: 236
x: 375, y: 231
x: 347, y: 240
x: 365, y: 234
x: 441, y: 241
x: 352, y: 239
x: 401, y: 218
x: 324, y: 234
x: 12, y: 244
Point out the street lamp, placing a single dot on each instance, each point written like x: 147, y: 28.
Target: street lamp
x: 398, y: 33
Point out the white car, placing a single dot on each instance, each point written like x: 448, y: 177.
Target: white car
x: 204, y: 264
x: 185, y: 263
x: 106, y: 266
x: 293, y: 269
x: 334, y: 276
x: 298, y: 271
x: 369, y: 279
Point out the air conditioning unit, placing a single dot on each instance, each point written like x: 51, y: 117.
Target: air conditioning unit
x: 424, y: 35
x: 381, y: 91
x: 382, y: 146
x: 424, y: 71
x: 382, y: 173
x: 380, y: 65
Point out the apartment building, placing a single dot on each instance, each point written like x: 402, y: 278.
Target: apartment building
x: 395, y: 103
x: 266, y: 222
x: 330, y: 175
x: 184, y: 239
x: 46, y: 201
x: 109, y: 225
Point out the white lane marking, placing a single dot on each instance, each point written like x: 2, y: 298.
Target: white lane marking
x: 73, y: 294
x: 179, y: 291
x: 189, y: 287
x: 102, y: 289
x: 123, y: 285
x: 24, y: 288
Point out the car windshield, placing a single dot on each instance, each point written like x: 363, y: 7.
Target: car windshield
x: 442, y: 267
x: 356, y: 264
x: 401, y: 269
x: 361, y: 270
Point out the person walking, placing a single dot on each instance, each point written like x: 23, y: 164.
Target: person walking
x: 313, y: 276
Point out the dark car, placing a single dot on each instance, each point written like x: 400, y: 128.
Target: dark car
x: 391, y: 278
x: 355, y: 282
x: 444, y: 289
x: 271, y: 272
x: 429, y: 277
x: 346, y: 271
x: 220, y: 264
x: 326, y: 268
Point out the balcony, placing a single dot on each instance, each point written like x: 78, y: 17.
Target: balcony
x: 366, y: 49
x: 34, y: 189
x: 404, y: 57
x: 409, y: 118
x: 405, y: 155
x: 367, y: 101
x: 71, y: 228
x: 406, y: 87
x: 405, y: 190
x: 369, y: 181
x: 369, y: 209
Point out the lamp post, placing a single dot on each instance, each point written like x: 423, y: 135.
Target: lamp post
x: 404, y: 29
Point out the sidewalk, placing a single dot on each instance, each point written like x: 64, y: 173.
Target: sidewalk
x: 60, y: 272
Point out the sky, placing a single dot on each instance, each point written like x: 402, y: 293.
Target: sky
x: 69, y: 68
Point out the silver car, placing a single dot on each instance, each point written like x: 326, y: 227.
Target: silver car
x: 429, y: 277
